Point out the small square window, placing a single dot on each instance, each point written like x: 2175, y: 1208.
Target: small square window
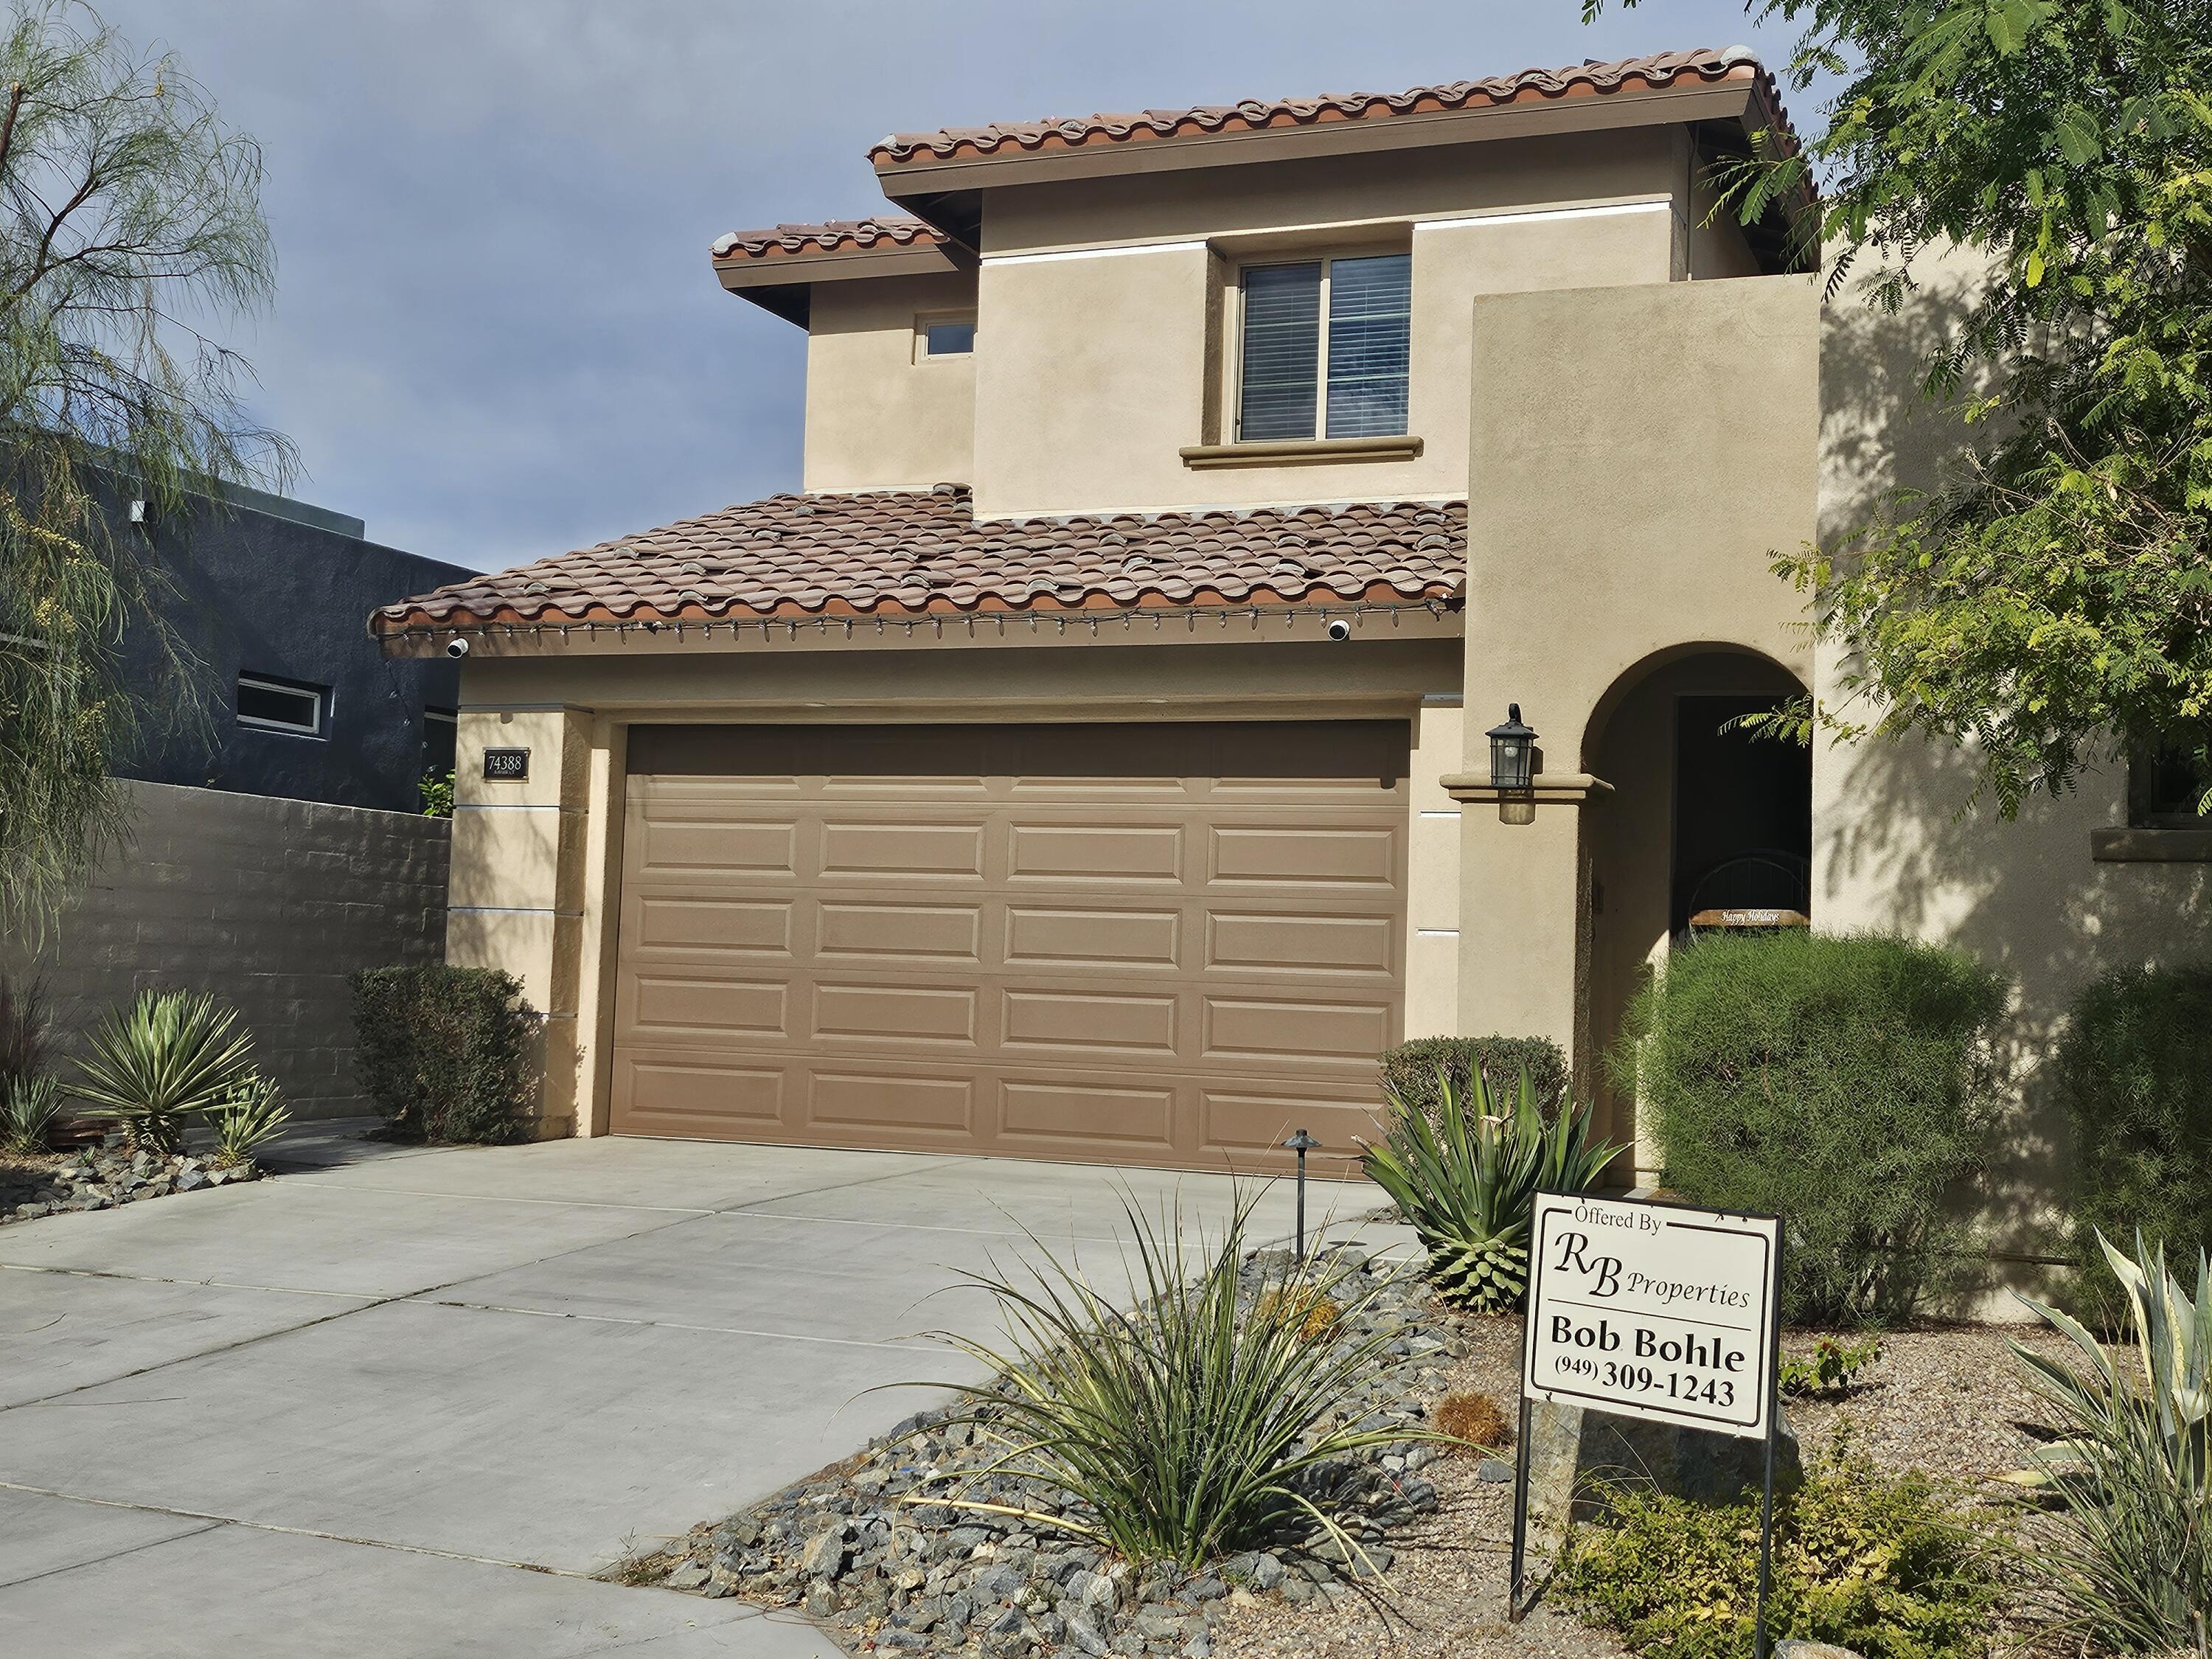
x: 948, y: 338
x: 268, y: 704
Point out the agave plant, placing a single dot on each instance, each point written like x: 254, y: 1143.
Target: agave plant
x: 1191, y: 1425
x: 1468, y: 1184
x: 30, y: 1112
x: 2130, y: 1562
x: 167, y: 1057
x: 250, y: 1116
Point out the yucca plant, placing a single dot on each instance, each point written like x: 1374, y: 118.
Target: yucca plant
x: 30, y: 1112
x: 2129, y: 1563
x: 1185, y: 1427
x: 250, y: 1116
x: 1467, y: 1183
x: 167, y: 1057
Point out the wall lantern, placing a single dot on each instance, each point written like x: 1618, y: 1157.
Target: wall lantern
x: 1512, y: 768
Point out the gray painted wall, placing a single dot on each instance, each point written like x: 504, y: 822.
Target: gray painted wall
x: 269, y: 904
x: 267, y: 585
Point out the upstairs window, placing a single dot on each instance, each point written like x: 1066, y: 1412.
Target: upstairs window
x: 1327, y: 348
x: 266, y: 703
x: 947, y: 336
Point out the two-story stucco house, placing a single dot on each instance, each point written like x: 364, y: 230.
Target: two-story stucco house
x: 1090, y: 761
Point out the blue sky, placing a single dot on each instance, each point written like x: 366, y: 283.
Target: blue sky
x: 497, y: 335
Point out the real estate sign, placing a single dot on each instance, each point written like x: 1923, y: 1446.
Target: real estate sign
x: 1654, y: 1310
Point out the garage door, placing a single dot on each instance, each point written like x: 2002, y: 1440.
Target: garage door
x: 1155, y: 945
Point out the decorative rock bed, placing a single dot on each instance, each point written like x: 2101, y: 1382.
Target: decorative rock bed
x: 860, y: 1547
x: 102, y: 1177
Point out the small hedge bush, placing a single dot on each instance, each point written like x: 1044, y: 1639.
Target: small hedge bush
x: 2135, y: 1078
x: 1868, y: 1561
x: 1409, y: 1071
x: 446, y: 1052
x: 1841, y: 1082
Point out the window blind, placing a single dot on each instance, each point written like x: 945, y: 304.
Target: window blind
x: 1370, y: 342
x: 1280, y: 385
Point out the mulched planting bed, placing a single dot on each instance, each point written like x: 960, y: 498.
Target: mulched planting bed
x: 102, y: 1177
x: 883, y: 1573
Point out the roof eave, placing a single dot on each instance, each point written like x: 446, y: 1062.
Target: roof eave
x: 925, y: 173
x: 783, y: 284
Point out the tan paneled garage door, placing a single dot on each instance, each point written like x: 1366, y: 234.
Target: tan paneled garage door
x: 1169, y: 944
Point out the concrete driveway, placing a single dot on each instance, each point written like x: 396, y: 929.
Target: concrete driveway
x: 403, y: 1401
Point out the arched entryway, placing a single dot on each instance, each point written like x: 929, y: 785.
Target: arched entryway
x: 1703, y: 816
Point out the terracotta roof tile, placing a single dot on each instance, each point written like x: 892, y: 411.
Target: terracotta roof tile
x: 1658, y: 72
x: 901, y: 552
x: 831, y: 236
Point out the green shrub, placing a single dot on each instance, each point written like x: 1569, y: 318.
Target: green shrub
x: 1196, y: 1424
x: 446, y: 1053
x: 2133, y: 1072
x: 169, y: 1057
x: 1467, y: 1185
x: 2128, y: 1565
x: 1868, y: 1561
x: 1832, y: 1366
x: 1842, y: 1083
x: 1409, y: 1071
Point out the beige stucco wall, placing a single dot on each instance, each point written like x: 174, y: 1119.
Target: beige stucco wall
x: 1896, y: 846
x: 535, y: 888
x: 879, y: 415
x: 1101, y: 302
x: 1630, y: 524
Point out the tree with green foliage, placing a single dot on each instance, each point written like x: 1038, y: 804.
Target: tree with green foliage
x: 2050, y: 605
x: 129, y: 226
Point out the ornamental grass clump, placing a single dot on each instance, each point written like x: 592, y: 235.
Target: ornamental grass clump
x: 1191, y: 1425
x: 1466, y: 1183
x: 170, y: 1056
x: 2126, y: 1561
x: 32, y: 1113
x: 252, y: 1115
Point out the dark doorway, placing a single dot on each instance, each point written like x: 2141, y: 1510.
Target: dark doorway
x: 1743, y: 814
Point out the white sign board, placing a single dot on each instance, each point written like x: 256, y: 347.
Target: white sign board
x: 1653, y: 1310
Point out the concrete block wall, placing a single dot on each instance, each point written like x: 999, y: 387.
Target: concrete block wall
x: 268, y: 904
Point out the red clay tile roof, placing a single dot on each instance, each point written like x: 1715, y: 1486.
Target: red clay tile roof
x: 914, y: 552
x: 1658, y: 72
x: 832, y: 236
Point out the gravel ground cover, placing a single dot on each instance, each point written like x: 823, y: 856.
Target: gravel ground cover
x: 883, y: 1573
x: 1948, y: 1400
x: 102, y: 1177
x: 861, y: 1548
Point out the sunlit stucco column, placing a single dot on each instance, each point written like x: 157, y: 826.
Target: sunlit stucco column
x: 518, y: 895
x: 1525, y: 911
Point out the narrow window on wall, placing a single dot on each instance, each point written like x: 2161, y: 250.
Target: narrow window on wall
x: 266, y: 703
x: 1342, y: 325
x: 440, y: 729
x: 1370, y: 315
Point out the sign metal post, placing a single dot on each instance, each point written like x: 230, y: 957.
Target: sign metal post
x: 1657, y: 1311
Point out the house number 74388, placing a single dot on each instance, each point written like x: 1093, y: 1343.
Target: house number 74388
x: 506, y: 765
